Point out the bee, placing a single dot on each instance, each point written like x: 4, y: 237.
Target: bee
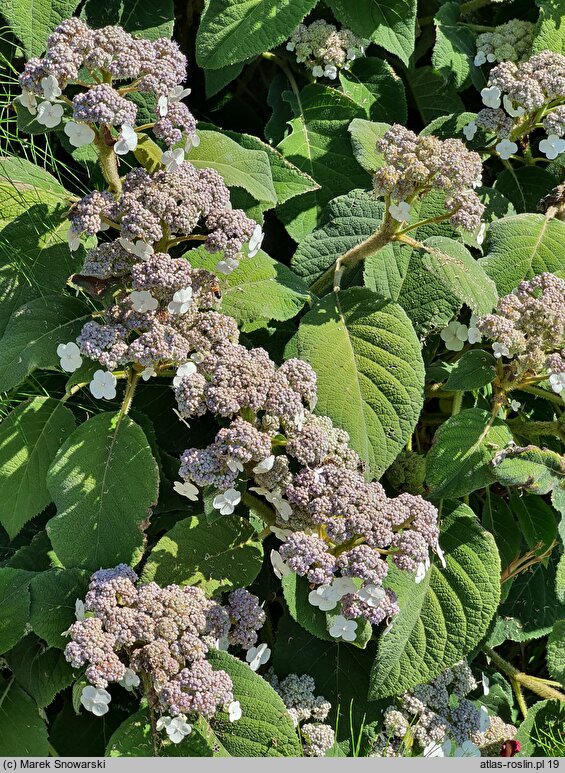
x: 216, y: 290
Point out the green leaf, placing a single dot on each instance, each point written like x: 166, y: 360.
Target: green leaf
x: 521, y: 246
x: 537, y: 470
x: 319, y: 145
x: 474, y: 369
x: 14, y: 603
x: 376, y: 88
x: 235, y: 30
x: 389, y: 23
x: 149, y: 20
x: 133, y: 739
x: 525, y: 186
x: 463, y: 448
x: 556, y: 652
x: 41, y: 671
x: 23, y: 732
x: 216, y: 80
x: 549, y: 34
x: 444, y: 617
x: 239, y: 166
x: 53, y: 597
x: 452, y: 263
x: 386, y: 272
x: 29, y: 439
x: 265, y: 729
x: 259, y: 288
x: 33, y: 333
x: 545, y: 720
x: 497, y: 517
x: 536, y: 519
x: 433, y: 96
x: 216, y: 557
x: 103, y: 480
x: 370, y: 371
x: 455, y: 46
x: 32, y: 24
x: 364, y: 136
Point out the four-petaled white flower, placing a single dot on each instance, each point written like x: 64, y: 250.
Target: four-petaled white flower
x: 372, y: 594
x: 552, y: 147
x: 515, y: 405
x: 500, y: 350
x: 434, y: 749
x: 227, y: 266
x: 183, y: 371
x: 49, y: 115
x: 227, y: 502
x: 235, y: 465
x: 95, y: 700
x: 103, y: 385
x: 80, y: 611
x: 177, y: 728
x: 400, y: 211
x: 162, y: 106
x: 484, y: 719
x: 330, y: 71
x: 181, y: 302
x: 139, y: 248
x: 172, y: 159
x: 557, y: 381
x: 480, y: 233
x: 142, y: 300
x: 279, y: 566
x: 323, y: 597
x: 126, y: 141
x: 317, y: 71
x: 479, y: 59
x: 469, y: 130
x: 265, y: 465
x: 282, y: 534
x: 280, y: 504
x: 474, y: 336
x: 73, y: 239
x: 341, y: 628
x: 177, y: 93
x: 506, y: 148
x: 234, y: 711
x: 192, y: 141
x: 258, y: 656
x: 256, y: 241
x: 491, y: 96
x: 515, y: 112
x: 51, y: 88
x: 467, y: 749
x: 454, y: 336
x: 148, y: 372
x: 28, y: 100
x: 186, y: 489
x: 421, y: 570
x: 198, y: 357
x: 290, y: 46
x: 129, y: 680
x: 79, y: 134
x: 70, y: 356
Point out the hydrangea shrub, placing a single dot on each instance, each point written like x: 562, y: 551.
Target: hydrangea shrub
x: 282, y: 365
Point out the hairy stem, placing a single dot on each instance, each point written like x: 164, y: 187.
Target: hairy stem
x: 522, y: 680
x: 133, y: 380
x: 107, y: 159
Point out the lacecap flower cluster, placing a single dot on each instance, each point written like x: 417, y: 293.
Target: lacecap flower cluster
x: 510, y: 42
x: 324, y: 49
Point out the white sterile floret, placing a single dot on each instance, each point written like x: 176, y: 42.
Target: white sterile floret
x: 400, y: 211
x: 372, y: 594
x: 70, y: 356
x: 103, y: 385
x: 467, y: 749
x: 279, y: 566
x: 177, y: 93
x: 256, y: 241
x: 474, y: 336
x: 172, y: 159
x: 186, y: 489
x: 28, y: 100
x: 139, y: 248
x: 439, y: 553
x: 485, y: 681
x: 49, y: 115
x: 282, y: 534
x: 433, y: 749
x: 317, y: 71
x: 80, y: 610
x: 50, y: 87
x: 234, y: 711
x: 187, y: 369
x: 126, y: 141
x: 142, y: 300
x: 258, y: 656
x: 162, y: 106
x: 323, y: 597
x: 469, y: 130
x: 227, y: 502
x: 235, y: 465
x: 506, y: 149
x: 480, y: 233
x: 95, y: 700
x: 192, y: 141
x: 479, y: 59
x: 454, y: 336
x: 341, y: 628
x: 421, y: 570
x: 79, y: 134
x: 177, y: 728
x: 182, y: 301
x: 552, y: 147
x: 73, y: 239
x: 515, y: 112
x: 557, y: 381
x: 484, y: 719
x: 129, y: 680
x: 265, y: 465
x: 515, y: 405
x: 491, y: 96
x: 500, y: 350
x: 148, y: 373
x: 330, y: 71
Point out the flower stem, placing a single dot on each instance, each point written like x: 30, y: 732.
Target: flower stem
x: 133, y: 380
x: 107, y: 159
x: 520, y: 680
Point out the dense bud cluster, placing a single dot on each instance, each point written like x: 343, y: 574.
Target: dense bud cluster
x: 490, y: 740
x: 415, y: 165
x: 136, y: 633
x: 511, y: 42
x: 108, y: 64
x: 529, y: 328
x: 533, y: 83
x: 324, y: 49
x: 434, y: 714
